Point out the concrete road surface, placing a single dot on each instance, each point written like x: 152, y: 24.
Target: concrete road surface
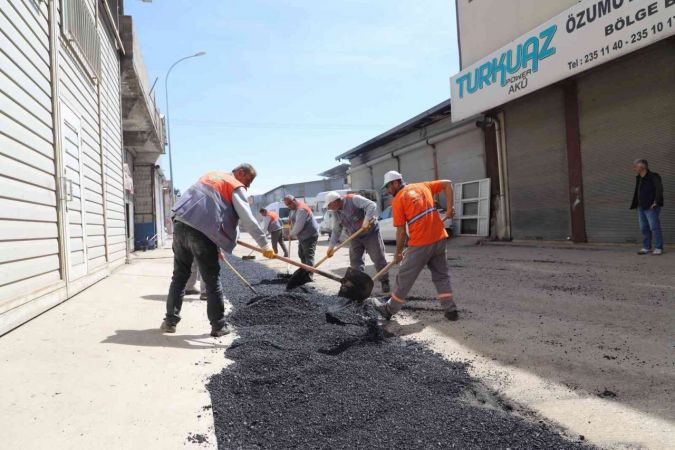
x: 583, y: 338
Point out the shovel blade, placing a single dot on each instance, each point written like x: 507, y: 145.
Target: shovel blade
x: 299, y: 278
x: 356, y: 285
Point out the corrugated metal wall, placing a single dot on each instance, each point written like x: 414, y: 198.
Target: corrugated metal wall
x: 627, y: 111
x: 111, y: 129
x: 462, y: 158
x: 30, y: 267
x: 537, y: 166
x: 28, y: 219
x: 416, y: 166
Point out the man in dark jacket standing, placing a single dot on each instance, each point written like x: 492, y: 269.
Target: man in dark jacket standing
x: 648, y: 200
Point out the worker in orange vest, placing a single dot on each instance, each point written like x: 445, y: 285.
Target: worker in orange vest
x: 304, y: 228
x: 205, y: 218
x: 273, y: 225
x: 413, y: 206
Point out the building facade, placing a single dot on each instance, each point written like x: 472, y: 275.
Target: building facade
x: 428, y: 147
x: 566, y: 135
x: 63, y: 222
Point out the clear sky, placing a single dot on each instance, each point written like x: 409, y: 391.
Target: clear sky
x: 287, y: 85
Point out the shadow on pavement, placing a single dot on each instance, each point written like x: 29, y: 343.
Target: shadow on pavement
x: 162, y: 298
x: 154, y: 338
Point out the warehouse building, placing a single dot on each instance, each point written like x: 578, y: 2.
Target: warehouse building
x: 572, y: 93
x: 430, y: 146
x: 63, y: 189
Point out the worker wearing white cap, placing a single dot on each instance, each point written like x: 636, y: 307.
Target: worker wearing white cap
x: 413, y: 208
x: 353, y: 212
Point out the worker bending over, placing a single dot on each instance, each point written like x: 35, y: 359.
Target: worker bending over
x: 273, y: 225
x: 354, y: 212
x: 413, y: 205
x: 206, y: 217
x: 304, y: 228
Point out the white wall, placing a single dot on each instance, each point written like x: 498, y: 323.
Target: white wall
x: 487, y: 25
x: 29, y: 252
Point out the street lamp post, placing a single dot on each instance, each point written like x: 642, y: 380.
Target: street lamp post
x: 168, y: 127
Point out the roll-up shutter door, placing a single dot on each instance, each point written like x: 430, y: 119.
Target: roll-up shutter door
x: 417, y: 165
x: 627, y: 111
x: 379, y: 170
x: 462, y: 157
x: 537, y: 166
x: 360, y: 177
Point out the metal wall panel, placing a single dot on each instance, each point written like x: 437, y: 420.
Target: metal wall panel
x: 462, y: 157
x: 379, y: 170
x: 111, y: 129
x: 417, y: 165
x: 537, y: 166
x: 627, y: 111
x: 360, y: 178
x: 28, y: 219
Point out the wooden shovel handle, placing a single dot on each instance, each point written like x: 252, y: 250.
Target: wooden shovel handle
x: 294, y: 263
x: 384, y: 270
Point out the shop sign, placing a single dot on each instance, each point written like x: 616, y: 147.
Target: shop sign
x: 590, y: 33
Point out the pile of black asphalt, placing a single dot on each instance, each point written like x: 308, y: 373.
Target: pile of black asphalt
x: 313, y: 371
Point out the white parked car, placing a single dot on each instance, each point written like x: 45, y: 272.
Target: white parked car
x: 388, y: 231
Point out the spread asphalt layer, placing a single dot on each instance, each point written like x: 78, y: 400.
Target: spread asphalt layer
x: 316, y: 371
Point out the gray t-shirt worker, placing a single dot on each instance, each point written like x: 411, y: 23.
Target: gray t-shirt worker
x: 353, y: 212
x: 304, y: 228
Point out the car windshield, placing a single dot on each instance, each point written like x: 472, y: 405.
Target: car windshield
x: 386, y: 214
x: 284, y: 212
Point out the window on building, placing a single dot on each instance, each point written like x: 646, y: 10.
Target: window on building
x: 79, y: 27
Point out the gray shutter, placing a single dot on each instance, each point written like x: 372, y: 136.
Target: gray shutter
x: 462, y: 157
x: 417, y: 165
x: 537, y: 166
x: 360, y: 177
x: 627, y: 111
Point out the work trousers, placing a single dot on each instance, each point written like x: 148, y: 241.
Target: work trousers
x: 416, y: 258
x: 192, y: 245
x: 372, y: 243
x: 650, y: 226
x: 278, y: 238
x: 307, y: 249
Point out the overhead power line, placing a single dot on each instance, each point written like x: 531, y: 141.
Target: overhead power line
x: 275, y: 125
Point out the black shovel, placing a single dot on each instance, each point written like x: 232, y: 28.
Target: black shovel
x: 355, y: 285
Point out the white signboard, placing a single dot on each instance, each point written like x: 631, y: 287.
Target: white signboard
x: 586, y: 35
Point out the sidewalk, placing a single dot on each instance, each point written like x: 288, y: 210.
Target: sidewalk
x: 96, y: 373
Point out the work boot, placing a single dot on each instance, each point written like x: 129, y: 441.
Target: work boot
x: 385, y: 286
x: 643, y: 251
x: 203, y: 296
x: 382, y: 307
x: 222, y: 331
x: 191, y: 292
x: 165, y: 327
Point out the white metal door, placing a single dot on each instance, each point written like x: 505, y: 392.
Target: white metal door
x: 472, y: 208
x: 72, y: 185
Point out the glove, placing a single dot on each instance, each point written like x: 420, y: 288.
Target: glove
x: 268, y: 253
x: 330, y: 252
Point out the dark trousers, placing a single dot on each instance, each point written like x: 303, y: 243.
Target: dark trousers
x: 278, y: 238
x: 307, y: 249
x: 188, y: 245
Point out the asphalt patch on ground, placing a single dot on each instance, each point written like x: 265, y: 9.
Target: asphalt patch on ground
x: 311, y: 371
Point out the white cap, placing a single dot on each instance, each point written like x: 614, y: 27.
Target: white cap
x: 331, y: 197
x: 390, y: 176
